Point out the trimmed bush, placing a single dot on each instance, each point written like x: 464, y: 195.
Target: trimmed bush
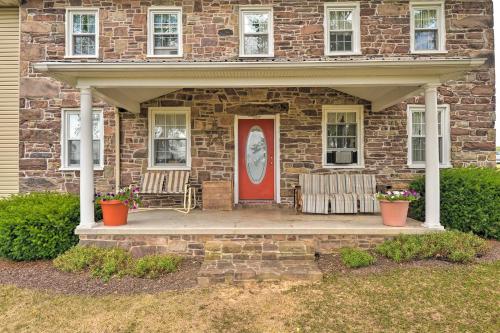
x: 355, y: 258
x: 155, y: 265
x: 454, y: 246
x: 38, y: 225
x: 106, y: 263
x: 470, y: 200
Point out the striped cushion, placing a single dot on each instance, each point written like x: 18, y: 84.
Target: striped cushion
x: 344, y: 184
x: 315, y: 203
x: 368, y: 203
x: 344, y: 203
x: 152, y: 182
x: 364, y: 184
x: 176, y: 180
x: 313, y: 184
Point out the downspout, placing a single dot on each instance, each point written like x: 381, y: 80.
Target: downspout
x: 117, y: 150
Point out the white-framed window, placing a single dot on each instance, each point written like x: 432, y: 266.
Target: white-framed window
x: 342, y: 129
x: 165, y: 32
x: 416, y: 136
x: 82, y: 32
x: 342, y: 28
x: 70, y: 139
x: 428, y: 26
x: 170, y: 138
x: 256, y: 32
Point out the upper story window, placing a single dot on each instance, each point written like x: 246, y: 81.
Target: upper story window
x: 169, y: 138
x: 416, y: 136
x: 165, y: 32
x: 342, y: 29
x: 82, y: 32
x: 428, y: 29
x: 256, y: 32
x: 342, y: 136
x: 70, y: 139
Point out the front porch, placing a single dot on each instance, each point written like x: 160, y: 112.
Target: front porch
x: 251, y: 221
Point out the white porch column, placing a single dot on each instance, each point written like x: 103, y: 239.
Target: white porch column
x: 86, y: 160
x: 432, y: 195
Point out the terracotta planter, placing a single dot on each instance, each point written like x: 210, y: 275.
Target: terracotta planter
x: 394, y: 213
x: 114, y: 213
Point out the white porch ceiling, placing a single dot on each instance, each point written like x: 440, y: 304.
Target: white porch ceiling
x: 384, y: 82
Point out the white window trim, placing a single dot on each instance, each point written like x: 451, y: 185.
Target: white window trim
x: 151, y: 113
x: 356, y: 25
x: 359, y: 109
x: 64, y: 156
x: 69, y: 31
x: 162, y: 10
x: 445, y: 133
x: 429, y: 4
x: 270, y: 31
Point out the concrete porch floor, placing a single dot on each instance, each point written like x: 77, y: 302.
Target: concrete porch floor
x: 247, y: 221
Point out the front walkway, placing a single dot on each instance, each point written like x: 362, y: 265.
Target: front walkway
x: 247, y: 221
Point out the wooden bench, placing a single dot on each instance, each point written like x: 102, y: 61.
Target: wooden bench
x: 336, y: 194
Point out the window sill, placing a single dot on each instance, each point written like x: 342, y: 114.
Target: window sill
x: 99, y: 168
x: 81, y: 57
x: 349, y: 166
x: 256, y: 56
x: 156, y: 56
x: 429, y: 52
x: 168, y: 168
x: 334, y: 54
x: 422, y: 166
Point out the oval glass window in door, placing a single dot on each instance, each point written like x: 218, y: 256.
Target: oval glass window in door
x: 256, y: 155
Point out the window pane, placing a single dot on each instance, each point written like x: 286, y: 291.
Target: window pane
x: 96, y: 126
x: 166, y: 23
x: 73, y: 152
x: 83, y: 45
x: 341, y: 20
x: 167, y: 41
x: 418, y: 149
x: 96, y: 152
x: 426, y: 40
x: 256, y: 23
x: 84, y: 23
x: 426, y: 19
x: 170, y: 151
x: 256, y: 44
x: 340, y: 41
x: 73, y: 127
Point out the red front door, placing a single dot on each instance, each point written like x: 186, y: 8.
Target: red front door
x: 256, y: 159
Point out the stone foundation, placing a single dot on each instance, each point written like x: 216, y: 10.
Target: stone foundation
x: 234, y: 247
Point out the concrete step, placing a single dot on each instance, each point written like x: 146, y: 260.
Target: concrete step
x: 248, y: 271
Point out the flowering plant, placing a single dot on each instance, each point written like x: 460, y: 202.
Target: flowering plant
x: 406, y: 195
x: 129, y: 196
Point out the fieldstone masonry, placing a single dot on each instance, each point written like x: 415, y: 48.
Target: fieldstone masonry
x: 211, y: 34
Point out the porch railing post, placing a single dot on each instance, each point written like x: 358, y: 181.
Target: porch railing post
x: 86, y: 160
x: 432, y: 185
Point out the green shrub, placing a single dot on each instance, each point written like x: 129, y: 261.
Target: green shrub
x: 355, y: 258
x: 454, y: 246
x: 155, y: 265
x: 38, y: 225
x: 106, y: 263
x: 470, y: 200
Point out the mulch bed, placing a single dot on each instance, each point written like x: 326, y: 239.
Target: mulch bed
x: 332, y: 264
x: 42, y: 275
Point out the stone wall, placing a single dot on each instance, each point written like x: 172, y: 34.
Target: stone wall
x: 211, y: 33
x: 242, y: 247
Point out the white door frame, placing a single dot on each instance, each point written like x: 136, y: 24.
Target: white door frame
x: 277, y: 161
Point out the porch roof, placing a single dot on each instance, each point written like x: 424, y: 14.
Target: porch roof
x: 382, y: 81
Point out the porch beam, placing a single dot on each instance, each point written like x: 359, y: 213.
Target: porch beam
x: 87, y: 219
x: 432, y: 185
x: 397, y: 95
x: 119, y: 100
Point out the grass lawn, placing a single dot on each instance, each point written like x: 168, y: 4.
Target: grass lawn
x: 433, y: 299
